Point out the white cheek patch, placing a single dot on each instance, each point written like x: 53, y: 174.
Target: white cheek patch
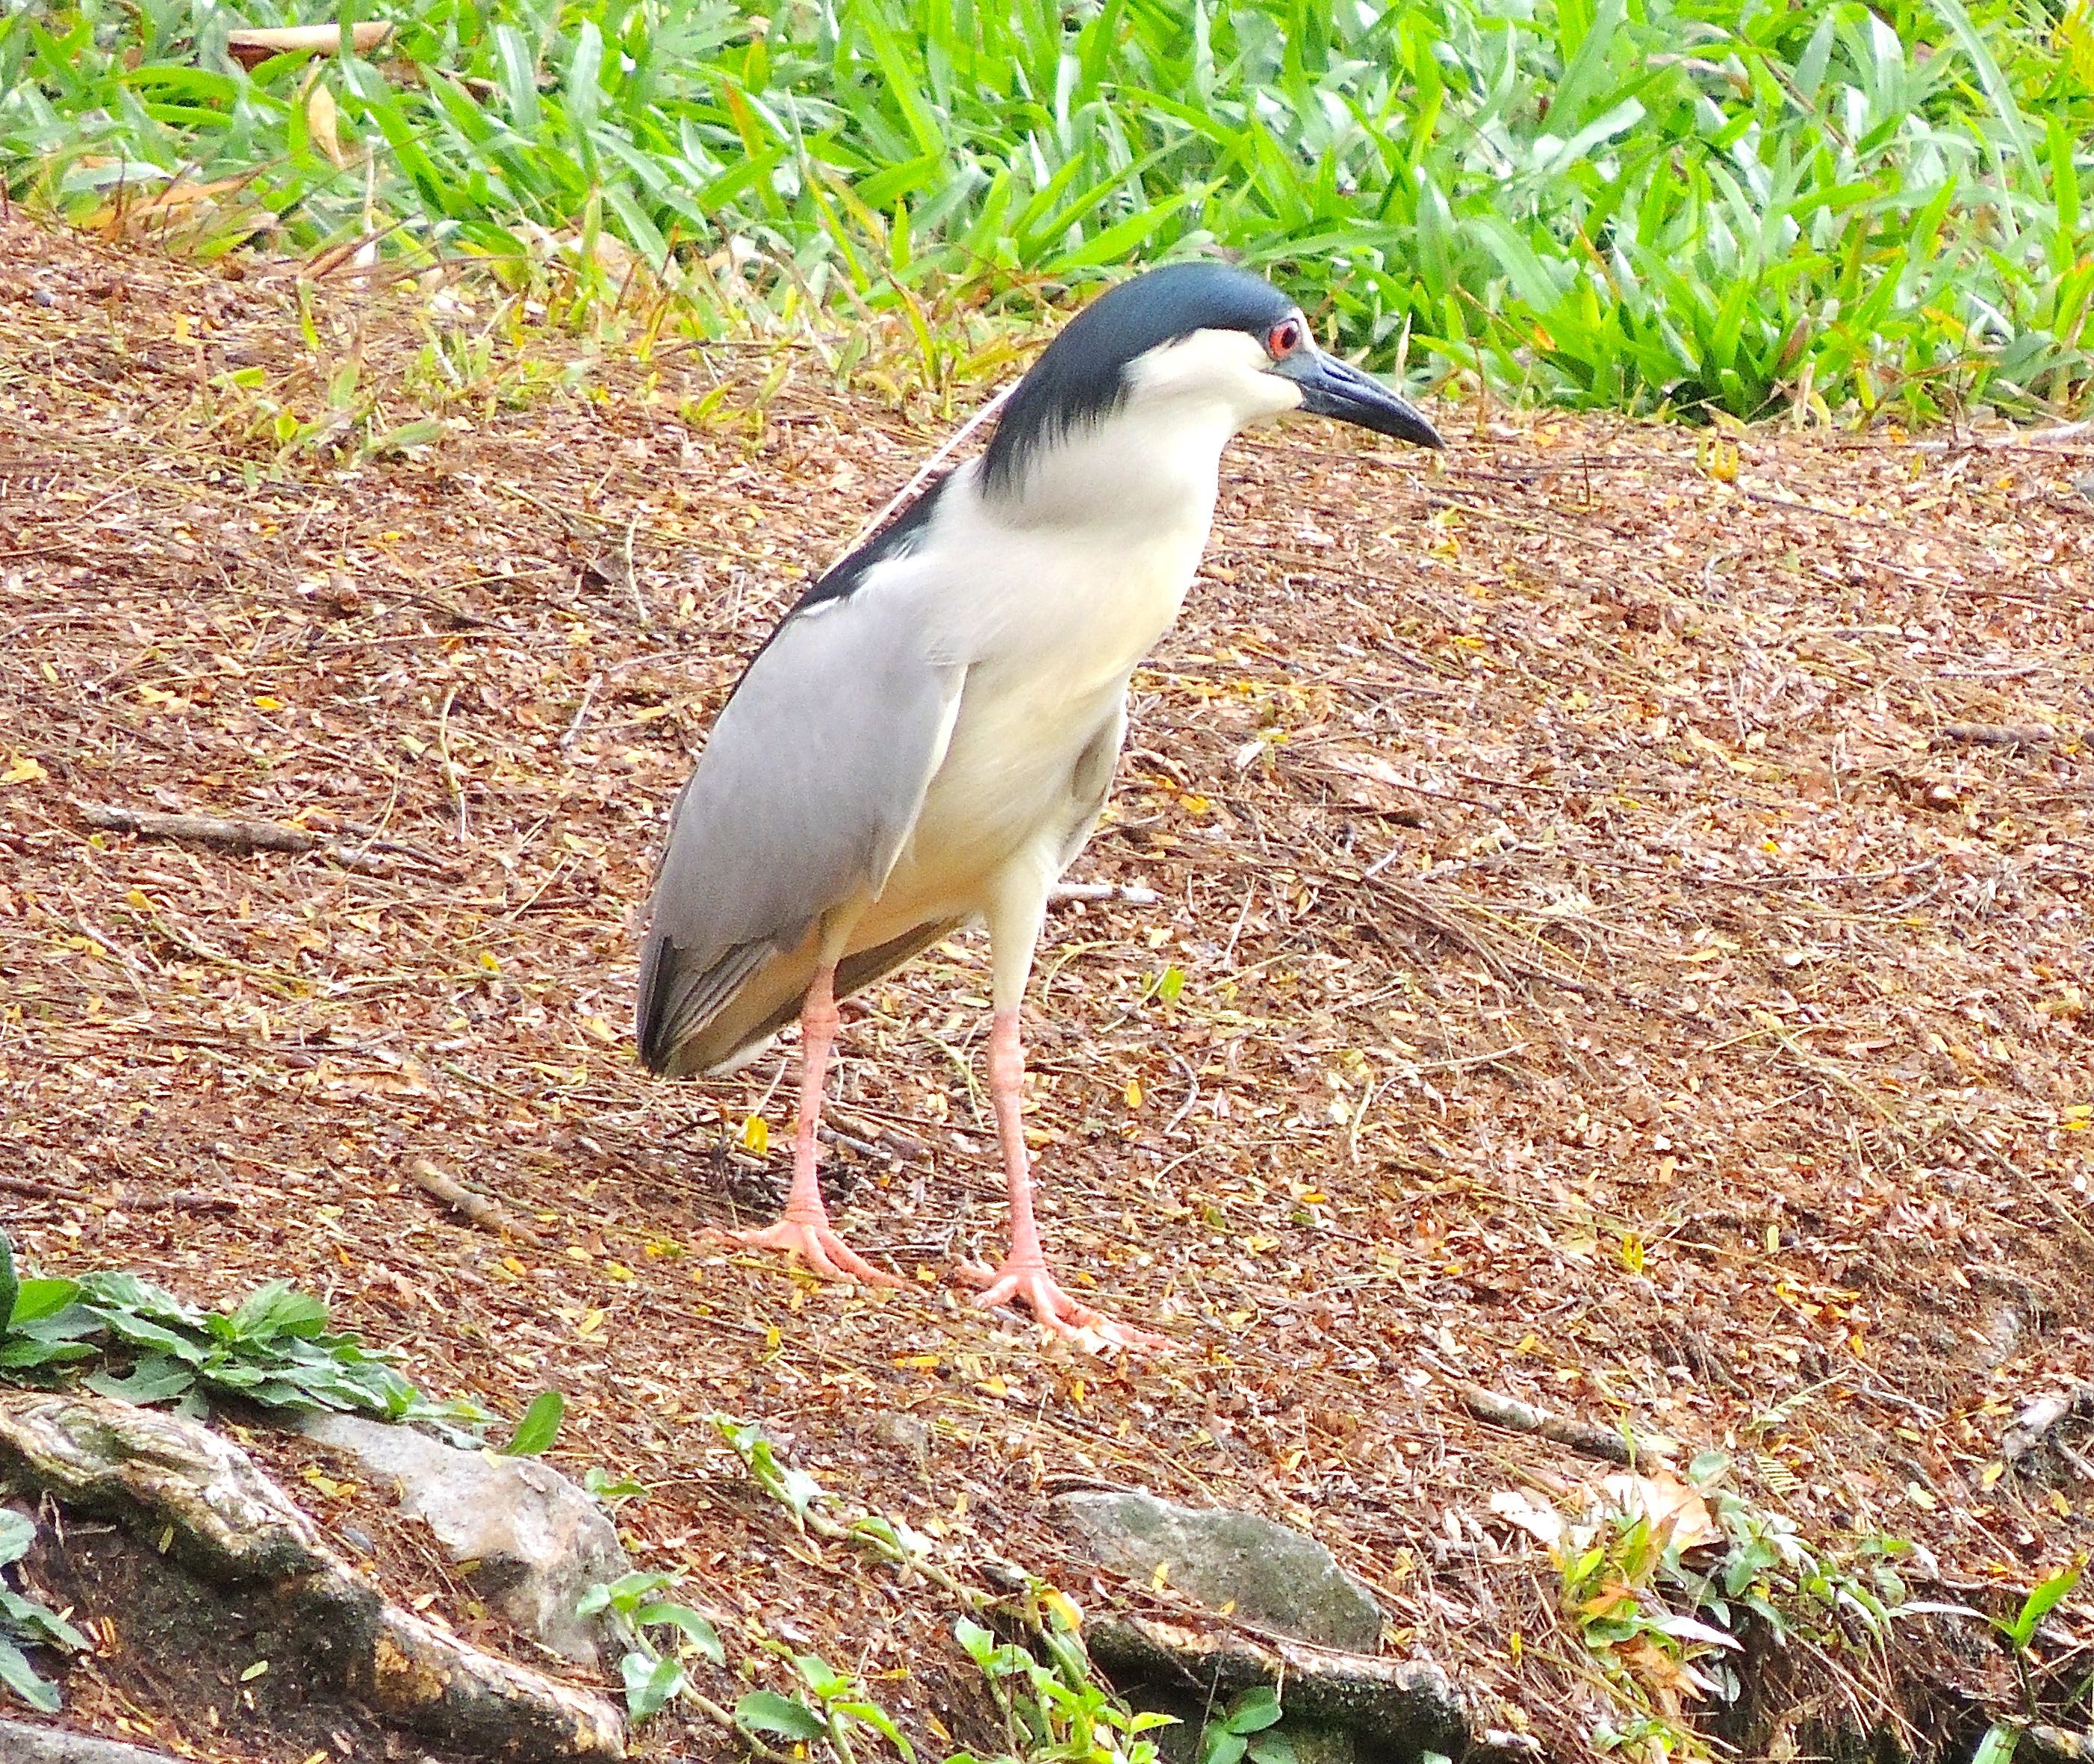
x: 1226, y: 368
x: 1204, y: 361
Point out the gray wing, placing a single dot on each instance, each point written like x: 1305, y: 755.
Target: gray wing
x: 808, y: 786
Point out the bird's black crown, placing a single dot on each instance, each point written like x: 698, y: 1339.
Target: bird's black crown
x: 1083, y: 375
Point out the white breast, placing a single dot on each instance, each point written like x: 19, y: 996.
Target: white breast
x: 1050, y: 617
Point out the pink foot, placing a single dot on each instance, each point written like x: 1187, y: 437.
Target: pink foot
x: 817, y: 1246
x: 1055, y: 1310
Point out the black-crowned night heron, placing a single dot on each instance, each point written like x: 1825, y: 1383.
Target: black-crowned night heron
x: 928, y: 736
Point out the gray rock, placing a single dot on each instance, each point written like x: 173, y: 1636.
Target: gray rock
x: 22, y: 1744
x: 2056, y: 1745
x: 1275, y: 1578
x: 1405, y: 1706
x: 535, y: 1542
x: 204, y: 1504
x: 1322, y: 1743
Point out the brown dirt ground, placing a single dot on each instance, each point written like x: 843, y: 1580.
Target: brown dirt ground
x: 1623, y: 963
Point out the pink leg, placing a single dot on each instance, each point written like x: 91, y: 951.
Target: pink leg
x: 804, y: 1230
x: 1024, y: 1273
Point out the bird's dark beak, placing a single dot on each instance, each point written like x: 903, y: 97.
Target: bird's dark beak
x: 1336, y: 389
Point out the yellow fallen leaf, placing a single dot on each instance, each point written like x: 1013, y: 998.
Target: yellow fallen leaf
x: 1063, y: 1607
x: 320, y: 118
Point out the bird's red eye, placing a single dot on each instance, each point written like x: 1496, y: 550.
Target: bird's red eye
x: 1285, y: 338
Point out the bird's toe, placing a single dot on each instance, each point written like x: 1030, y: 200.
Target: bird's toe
x: 1056, y: 1311
x: 817, y: 1247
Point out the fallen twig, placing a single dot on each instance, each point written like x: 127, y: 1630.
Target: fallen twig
x: 477, y: 1209
x: 1502, y: 964
x: 890, y: 1142
x: 865, y: 1148
x: 1125, y: 894
x: 178, y: 1200
x: 36, y: 1189
x: 182, y: 1201
x: 1584, y: 1437
x: 1994, y: 735
x: 236, y: 834
x: 581, y: 712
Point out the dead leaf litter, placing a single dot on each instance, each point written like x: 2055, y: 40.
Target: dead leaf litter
x: 1621, y: 942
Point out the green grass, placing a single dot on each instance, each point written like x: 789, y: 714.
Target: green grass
x: 1599, y: 202
x: 131, y: 1339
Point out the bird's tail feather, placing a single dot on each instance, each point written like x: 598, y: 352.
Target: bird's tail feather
x: 690, y: 1022
x: 676, y: 1002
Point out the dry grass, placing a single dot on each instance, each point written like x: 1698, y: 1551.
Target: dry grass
x: 1624, y: 962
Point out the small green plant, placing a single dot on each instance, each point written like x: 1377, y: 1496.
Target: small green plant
x: 2018, y: 1632
x: 1660, y: 1614
x: 795, y: 1489
x: 539, y: 1427
x: 1245, y: 1730
x: 1055, y: 1708
x: 1998, y: 1745
x: 1615, y: 1590
x: 611, y: 1490
x: 840, y: 1708
x: 789, y: 1718
x: 27, y: 1622
x: 1054, y: 1705
x: 31, y: 1332
x: 149, y: 1346
x: 2044, y: 1598
x: 659, y: 1633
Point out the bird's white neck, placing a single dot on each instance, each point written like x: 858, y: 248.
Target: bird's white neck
x: 1149, y: 465
x: 1139, y: 474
